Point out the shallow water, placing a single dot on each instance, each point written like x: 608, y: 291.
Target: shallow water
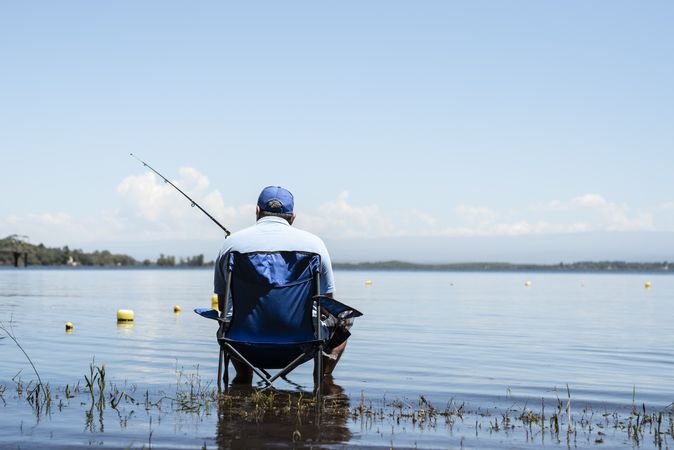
x: 480, y: 338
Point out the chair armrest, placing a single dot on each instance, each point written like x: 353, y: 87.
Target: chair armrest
x: 337, y: 308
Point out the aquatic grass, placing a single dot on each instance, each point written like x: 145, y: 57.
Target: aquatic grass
x: 96, y: 379
x: 298, y: 411
x: 116, y: 397
x: 562, y: 424
x: 68, y: 393
x: 452, y: 410
x: 38, y: 393
x: 9, y: 331
x: 191, y: 394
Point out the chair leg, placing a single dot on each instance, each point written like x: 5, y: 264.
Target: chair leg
x: 220, y: 370
x: 318, y: 373
x: 226, y: 374
x: 257, y: 371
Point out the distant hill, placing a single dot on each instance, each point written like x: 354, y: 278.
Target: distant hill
x: 583, y: 266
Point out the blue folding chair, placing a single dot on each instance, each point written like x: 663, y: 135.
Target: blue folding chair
x: 274, y: 323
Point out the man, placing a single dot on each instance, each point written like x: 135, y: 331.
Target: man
x: 273, y: 231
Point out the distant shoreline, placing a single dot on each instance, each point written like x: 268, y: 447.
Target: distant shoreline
x: 16, y: 251
x: 584, y: 266
x: 399, y: 266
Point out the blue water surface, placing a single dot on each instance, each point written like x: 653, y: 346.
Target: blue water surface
x: 485, y: 339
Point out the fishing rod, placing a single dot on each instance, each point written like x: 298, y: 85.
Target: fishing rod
x: 193, y: 203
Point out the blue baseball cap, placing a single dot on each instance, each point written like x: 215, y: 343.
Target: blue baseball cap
x: 276, y: 200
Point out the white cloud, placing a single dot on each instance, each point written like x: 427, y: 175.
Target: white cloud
x: 592, y: 200
x: 151, y: 210
x: 599, y: 214
x: 56, y: 228
x: 477, y: 215
x: 339, y: 219
x: 520, y: 227
x: 160, y: 212
x: 588, y: 212
x: 614, y: 217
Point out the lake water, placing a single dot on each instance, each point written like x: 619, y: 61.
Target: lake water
x: 484, y: 339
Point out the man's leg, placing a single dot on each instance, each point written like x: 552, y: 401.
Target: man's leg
x: 244, y: 374
x: 329, y: 362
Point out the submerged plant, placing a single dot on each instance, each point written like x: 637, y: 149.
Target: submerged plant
x: 38, y: 394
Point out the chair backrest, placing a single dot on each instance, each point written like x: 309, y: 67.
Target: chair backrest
x: 272, y: 296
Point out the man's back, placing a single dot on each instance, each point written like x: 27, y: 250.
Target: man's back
x: 271, y: 234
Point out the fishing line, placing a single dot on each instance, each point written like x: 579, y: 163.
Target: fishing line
x: 192, y: 202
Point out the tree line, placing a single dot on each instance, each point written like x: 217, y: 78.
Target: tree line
x: 168, y: 261
x: 41, y: 255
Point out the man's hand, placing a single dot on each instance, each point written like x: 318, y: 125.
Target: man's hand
x: 324, y: 312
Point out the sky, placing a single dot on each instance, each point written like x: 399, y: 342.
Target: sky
x: 406, y: 130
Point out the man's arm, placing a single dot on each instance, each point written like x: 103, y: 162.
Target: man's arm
x: 219, y: 281
x: 327, y: 277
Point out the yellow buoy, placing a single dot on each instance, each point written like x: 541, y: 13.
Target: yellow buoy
x: 214, y: 301
x: 176, y: 308
x: 69, y: 327
x: 527, y: 283
x: 125, y: 315
x: 647, y: 285
x: 368, y: 282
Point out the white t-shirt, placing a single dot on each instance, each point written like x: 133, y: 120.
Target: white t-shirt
x: 273, y: 234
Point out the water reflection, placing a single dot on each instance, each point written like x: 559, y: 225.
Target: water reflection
x: 283, y: 418
x: 125, y: 328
